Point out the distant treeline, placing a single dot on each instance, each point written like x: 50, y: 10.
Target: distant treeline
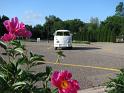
x: 95, y: 30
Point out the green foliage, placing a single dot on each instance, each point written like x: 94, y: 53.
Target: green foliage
x: 37, y: 32
x: 3, y: 45
x: 2, y: 28
x: 75, y: 25
x: 52, y: 23
x: 16, y: 75
x: 59, y: 56
x: 116, y: 85
x: 120, y: 9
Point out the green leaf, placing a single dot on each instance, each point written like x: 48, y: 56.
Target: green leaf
x: 17, y: 44
x: 36, y: 58
x: 2, y: 61
x: 19, y: 84
x: 42, y: 90
x: 48, y: 70
x: 55, y: 90
x: 22, y: 60
x: 31, y: 54
x: 20, y: 50
x: 60, y: 53
x: 40, y: 76
x: 3, y: 45
x: 20, y: 72
x: 36, y: 63
x: 3, y: 82
x: 10, y: 69
x: 2, y: 76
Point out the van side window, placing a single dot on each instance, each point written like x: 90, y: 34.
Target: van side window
x: 59, y: 34
x: 66, y: 34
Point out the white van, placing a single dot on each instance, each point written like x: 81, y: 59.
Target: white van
x: 62, y: 39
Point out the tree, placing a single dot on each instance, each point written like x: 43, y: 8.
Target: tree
x: 59, y: 25
x: 37, y: 31
x: 50, y: 22
x: 95, y: 21
x: 75, y: 25
x: 114, y: 24
x: 120, y: 9
x: 2, y: 27
x: 92, y: 28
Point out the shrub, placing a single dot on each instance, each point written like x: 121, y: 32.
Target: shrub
x: 116, y: 85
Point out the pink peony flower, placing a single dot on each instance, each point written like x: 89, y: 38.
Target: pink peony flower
x: 17, y: 28
x: 62, y: 80
x: 22, y: 25
x: 8, y: 37
x: 12, y: 26
x: 28, y: 34
x: 24, y: 33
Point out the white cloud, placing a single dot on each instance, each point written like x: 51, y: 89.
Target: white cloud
x: 31, y: 17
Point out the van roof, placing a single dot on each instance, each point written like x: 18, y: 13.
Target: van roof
x: 62, y: 31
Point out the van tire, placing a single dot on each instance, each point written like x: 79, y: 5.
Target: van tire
x: 70, y: 47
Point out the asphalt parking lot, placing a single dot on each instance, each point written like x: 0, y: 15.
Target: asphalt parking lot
x: 91, y: 64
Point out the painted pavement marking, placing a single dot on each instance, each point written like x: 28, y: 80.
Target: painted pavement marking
x: 85, y: 66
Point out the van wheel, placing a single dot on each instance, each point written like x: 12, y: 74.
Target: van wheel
x: 55, y: 48
x: 70, y: 47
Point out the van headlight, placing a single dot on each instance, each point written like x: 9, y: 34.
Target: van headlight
x: 68, y: 41
x: 57, y: 41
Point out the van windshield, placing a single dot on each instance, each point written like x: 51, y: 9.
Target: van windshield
x: 63, y: 34
x: 66, y: 34
x: 59, y: 34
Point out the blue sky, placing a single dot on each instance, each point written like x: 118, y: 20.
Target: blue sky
x: 33, y: 12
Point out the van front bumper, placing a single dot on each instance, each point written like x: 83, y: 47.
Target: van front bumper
x: 63, y: 45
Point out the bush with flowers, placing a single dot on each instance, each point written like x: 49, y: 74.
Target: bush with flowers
x: 16, y: 75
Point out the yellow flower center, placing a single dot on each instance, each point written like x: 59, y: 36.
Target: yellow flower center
x: 64, y: 84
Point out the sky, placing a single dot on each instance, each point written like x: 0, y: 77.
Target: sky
x: 33, y: 12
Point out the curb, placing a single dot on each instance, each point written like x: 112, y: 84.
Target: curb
x: 93, y: 90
